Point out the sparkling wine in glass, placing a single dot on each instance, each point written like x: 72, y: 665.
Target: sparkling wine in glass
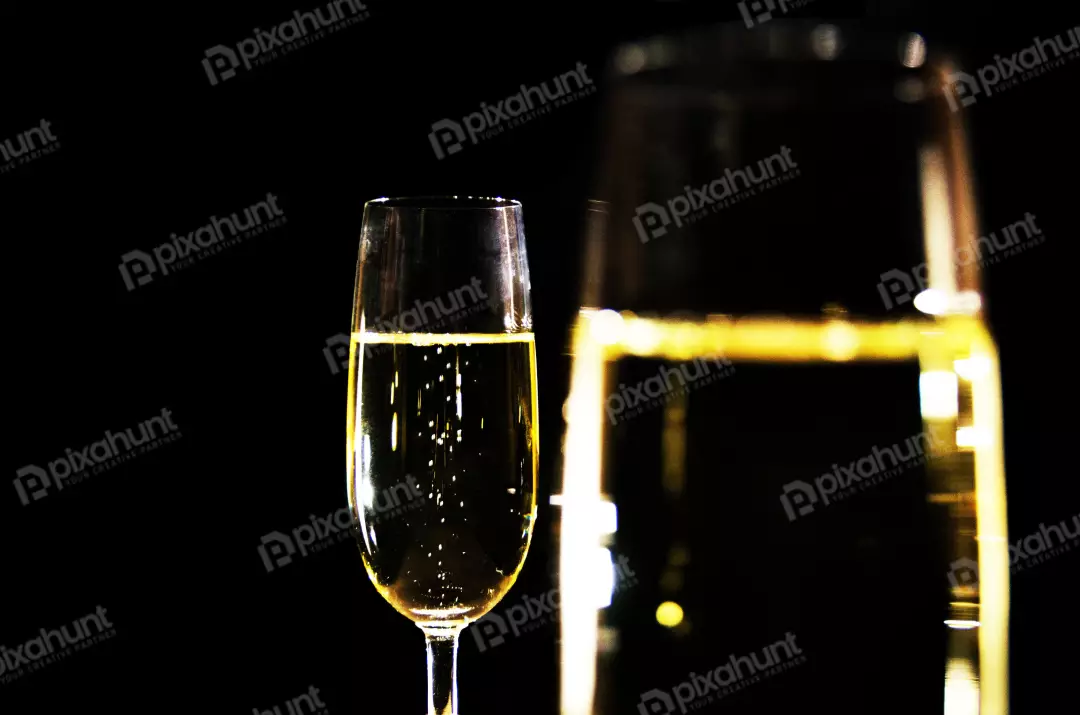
x: 442, y: 433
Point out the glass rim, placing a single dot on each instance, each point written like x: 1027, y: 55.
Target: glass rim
x: 780, y: 40
x: 445, y: 202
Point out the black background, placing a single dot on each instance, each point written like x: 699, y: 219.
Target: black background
x: 234, y: 345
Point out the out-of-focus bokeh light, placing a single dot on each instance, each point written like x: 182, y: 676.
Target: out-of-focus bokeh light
x: 605, y: 326
x: 841, y: 341
x: 938, y: 395
x: 936, y: 302
x: 607, y: 517
x: 630, y: 59
x: 914, y: 51
x: 932, y: 302
x: 969, y: 437
x: 973, y: 367
x: 910, y: 90
x: 826, y: 41
x: 669, y: 614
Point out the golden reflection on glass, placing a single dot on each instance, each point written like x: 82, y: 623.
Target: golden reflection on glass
x: 969, y: 437
x: 958, y: 389
x: 973, y: 490
x: 937, y: 394
x: 579, y: 536
x: 961, y: 688
x: 956, y: 353
x: 937, y: 221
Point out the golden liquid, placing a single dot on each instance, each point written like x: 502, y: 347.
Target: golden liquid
x: 442, y: 460
x: 960, y: 401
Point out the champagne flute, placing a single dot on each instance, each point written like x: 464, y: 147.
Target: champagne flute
x: 442, y: 433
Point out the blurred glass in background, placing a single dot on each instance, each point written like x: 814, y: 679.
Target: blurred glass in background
x: 783, y: 480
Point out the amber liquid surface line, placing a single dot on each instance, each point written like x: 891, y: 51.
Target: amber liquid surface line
x: 442, y: 450
x: 777, y: 339
x: 960, y: 400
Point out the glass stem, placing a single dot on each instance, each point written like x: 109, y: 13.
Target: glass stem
x: 442, y: 646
